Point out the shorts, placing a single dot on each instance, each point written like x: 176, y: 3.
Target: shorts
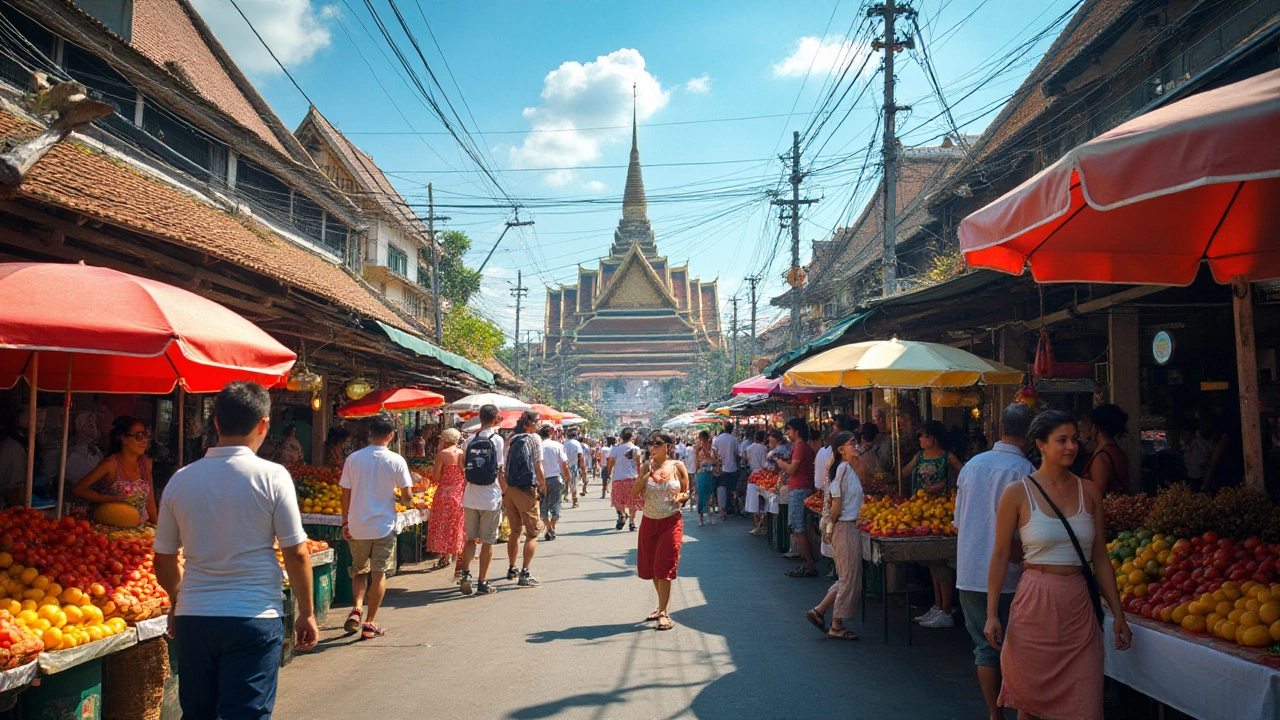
x: 372, y: 555
x: 728, y: 480
x: 521, y: 508
x: 481, y: 525
x: 974, y: 606
x: 550, y: 505
x: 796, y: 510
x: 742, y: 484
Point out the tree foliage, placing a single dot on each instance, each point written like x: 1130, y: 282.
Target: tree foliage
x: 458, y: 283
x: 470, y: 335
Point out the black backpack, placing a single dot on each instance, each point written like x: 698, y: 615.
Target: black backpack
x: 481, y: 461
x: 520, y: 462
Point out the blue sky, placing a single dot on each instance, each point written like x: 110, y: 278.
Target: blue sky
x: 545, y: 90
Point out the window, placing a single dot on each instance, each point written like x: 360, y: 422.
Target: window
x: 397, y: 260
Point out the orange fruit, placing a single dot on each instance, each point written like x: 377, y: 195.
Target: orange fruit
x: 1249, y: 619
x: 52, y: 638
x: 1180, y: 613
x: 1227, y: 630
x: 1275, y: 631
x: 1223, y: 608
x: 1256, y: 636
x: 1269, y: 612
x: 1193, y: 623
x: 1234, y: 615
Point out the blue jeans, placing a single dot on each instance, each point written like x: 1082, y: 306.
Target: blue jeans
x: 228, y: 666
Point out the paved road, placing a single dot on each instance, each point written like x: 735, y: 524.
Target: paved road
x: 577, y: 648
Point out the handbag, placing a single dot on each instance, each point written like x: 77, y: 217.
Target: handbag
x: 1091, y: 580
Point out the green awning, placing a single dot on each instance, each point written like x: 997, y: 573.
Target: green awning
x: 418, y: 346
x: 816, y: 345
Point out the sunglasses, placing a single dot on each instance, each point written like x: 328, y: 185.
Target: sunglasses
x: 141, y: 435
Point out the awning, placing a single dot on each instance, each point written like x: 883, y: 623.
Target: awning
x: 418, y: 346
x: 818, y: 344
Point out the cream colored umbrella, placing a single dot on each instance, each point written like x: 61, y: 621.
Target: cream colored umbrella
x: 901, y: 364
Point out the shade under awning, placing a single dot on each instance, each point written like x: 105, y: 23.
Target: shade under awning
x: 418, y: 346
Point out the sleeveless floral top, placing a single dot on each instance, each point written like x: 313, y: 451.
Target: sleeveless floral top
x: 660, y: 492
x: 133, y: 491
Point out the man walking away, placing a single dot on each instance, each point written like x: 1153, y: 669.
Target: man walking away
x: 372, y: 478
x: 555, y: 462
x: 727, y: 448
x: 981, y: 482
x: 226, y: 512
x: 624, y: 462
x: 576, y: 454
x: 606, y: 451
x: 484, y: 466
x: 525, y: 479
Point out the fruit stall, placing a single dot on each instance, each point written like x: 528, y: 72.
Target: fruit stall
x: 1199, y: 582
x: 897, y: 531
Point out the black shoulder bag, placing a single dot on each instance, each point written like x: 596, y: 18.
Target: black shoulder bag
x: 1091, y: 580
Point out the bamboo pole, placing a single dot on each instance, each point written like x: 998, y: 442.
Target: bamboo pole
x: 31, y: 425
x: 66, y: 430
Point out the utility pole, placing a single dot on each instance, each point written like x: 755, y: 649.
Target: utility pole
x: 890, y: 44
x: 518, y: 292
x: 795, y: 276
x: 509, y: 224
x: 435, y: 260
x: 753, y: 280
x: 734, y: 333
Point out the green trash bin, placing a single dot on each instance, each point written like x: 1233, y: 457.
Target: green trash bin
x: 73, y: 694
x: 322, y: 581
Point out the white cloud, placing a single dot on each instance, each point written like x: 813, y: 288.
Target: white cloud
x: 585, y: 95
x: 700, y: 85
x: 595, y: 186
x: 816, y: 57
x: 294, y: 29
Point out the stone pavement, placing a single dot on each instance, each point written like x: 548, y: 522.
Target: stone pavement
x: 578, y: 647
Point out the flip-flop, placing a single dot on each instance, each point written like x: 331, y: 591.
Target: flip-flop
x: 844, y: 634
x: 654, y: 616
x: 664, y: 623
x: 352, y: 625
x: 369, y: 631
x: 815, y: 620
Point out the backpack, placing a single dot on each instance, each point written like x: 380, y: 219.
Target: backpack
x: 481, y: 461
x: 520, y: 469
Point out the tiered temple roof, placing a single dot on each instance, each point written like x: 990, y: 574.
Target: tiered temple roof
x: 633, y: 316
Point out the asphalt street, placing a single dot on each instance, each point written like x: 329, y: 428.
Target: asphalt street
x: 578, y: 647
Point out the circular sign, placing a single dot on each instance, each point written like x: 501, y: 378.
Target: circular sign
x: 1162, y: 347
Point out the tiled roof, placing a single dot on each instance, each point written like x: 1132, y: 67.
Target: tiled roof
x: 373, y: 183
x: 710, y: 309
x: 169, y: 32
x: 77, y: 178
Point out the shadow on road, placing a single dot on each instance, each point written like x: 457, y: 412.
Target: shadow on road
x: 587, y: 700
x: 585, y: 632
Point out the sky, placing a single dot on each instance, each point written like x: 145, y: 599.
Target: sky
x: 542, y: 94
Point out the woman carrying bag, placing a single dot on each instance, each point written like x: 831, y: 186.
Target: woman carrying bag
x: 1051, y: 658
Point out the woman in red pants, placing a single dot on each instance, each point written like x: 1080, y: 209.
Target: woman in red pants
x: 664, y: 486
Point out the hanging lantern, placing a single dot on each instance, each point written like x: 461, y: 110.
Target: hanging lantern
x: 795, y: 277
x: 358, y: 387
x: 315, y: 401
x: 303, y: 380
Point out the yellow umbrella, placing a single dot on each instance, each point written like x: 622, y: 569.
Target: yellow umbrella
x: 900, y: 364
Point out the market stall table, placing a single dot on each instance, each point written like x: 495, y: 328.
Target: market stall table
x: 883, y: 551
x: 1200, y: 676
x: 328, y: 527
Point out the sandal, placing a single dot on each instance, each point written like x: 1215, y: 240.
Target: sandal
x: 664, y: 622
x: 842, y: 634
x: 816, y: 620
x: 369, y: 631
x: 442, y: 563
x: 352, y: 625
x: 802, y: 572
x: 654, y: 616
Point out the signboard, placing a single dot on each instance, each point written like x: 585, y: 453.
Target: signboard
x: 1162, y: 347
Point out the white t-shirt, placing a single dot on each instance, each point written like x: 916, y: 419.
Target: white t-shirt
x: 822, y: 466
x: 757, y: 456
x: 572, y: 450
x: 225, y: 512
x: 848, y: 487
x: 373, y: 474
x: 486, y: 497
x: 981, y: 482
x: 553, y: 453
x: 689, y: 456
x: 727, y: 448
x: 623, y: 466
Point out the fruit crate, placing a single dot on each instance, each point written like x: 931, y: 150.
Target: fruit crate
x: 322, y: 582
x: 73, y: 694
x: 410, y: 544
x: 289, y: 618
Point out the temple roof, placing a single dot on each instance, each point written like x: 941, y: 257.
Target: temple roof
x: 634, y: 205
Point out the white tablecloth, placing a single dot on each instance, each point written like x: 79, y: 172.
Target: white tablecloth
x: 403, y: 520
x: 19, y: 676
x: 1201, y: 677
x: 152, y: 628
x: 59, y: 660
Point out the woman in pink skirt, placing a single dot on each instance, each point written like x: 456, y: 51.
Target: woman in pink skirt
x: 663, y: 486
x: 445, y: 527
x: 624, y: 460
x: 1051, y: 658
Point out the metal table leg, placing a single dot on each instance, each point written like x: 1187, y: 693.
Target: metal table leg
x: 884, y: 599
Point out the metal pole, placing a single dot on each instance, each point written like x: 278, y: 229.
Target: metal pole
x: 890, y: 153
x: 510, y: 225
x: 31, y: 423
x: 519, y: 293
x: 182, y: 428
x: 66, y: 428
x: 795, y: 238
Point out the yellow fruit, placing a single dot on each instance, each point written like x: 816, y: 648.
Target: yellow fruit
x: 52, y: 638
x: 1193, y: 623
x: 1256, y: 636
x: 1223, y: 608
x: 46, y: 600
x: 1275, y: 631
x: 48, y: 612
x: 29, y: 605
x: 1239, y: 638
x: 1234, y: 615
x: 54, y: 589
x: 1227, y: 630
x: 74, y: 615
x: 96, y: 632
x: 6, y: 560
x: 71, y: 596
x: 11, y: 606
x: 1211, y: 621
x: 117, y: 514
x: 34, y: 594
x: 68, y: 642
x: 41, y: 625
x: 26, y: 617
x: 1180, y: 613
x: 1137, y: 576
x: 1213, y: 628
x: 117, y: 624
x: 15, y: 570
x: 1269, y: 612
x: 28, y: 576
x: 1249, y: 618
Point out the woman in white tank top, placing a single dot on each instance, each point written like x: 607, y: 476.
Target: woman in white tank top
x: 1051, y: 659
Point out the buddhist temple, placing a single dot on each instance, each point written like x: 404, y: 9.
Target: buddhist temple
x: 634, y: 316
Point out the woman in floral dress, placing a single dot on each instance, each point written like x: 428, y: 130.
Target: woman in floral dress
x: 445, y: 526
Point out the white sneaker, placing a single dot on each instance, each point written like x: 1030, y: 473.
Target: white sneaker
x: 931, y: 614
x: 941, y: 620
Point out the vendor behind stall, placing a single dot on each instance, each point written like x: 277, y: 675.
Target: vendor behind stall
x: 124, y: 476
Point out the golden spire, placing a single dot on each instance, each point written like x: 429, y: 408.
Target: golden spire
x: 634, y: 205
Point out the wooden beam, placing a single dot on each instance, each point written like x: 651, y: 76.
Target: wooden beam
x: 1247, y: 372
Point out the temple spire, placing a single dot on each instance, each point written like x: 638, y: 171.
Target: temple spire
x: 634, y: 205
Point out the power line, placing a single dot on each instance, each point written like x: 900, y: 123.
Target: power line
x: 272, y: 54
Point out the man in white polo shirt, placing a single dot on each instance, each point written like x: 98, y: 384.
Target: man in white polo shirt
x: 226, y: 512
x: 372, y: 478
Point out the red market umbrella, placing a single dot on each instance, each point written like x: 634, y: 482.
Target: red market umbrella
x: 762, y: 385
x: 1195, y: 181
x: 127, y: 334
x: 548, y: 413
x: 395, y: 400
